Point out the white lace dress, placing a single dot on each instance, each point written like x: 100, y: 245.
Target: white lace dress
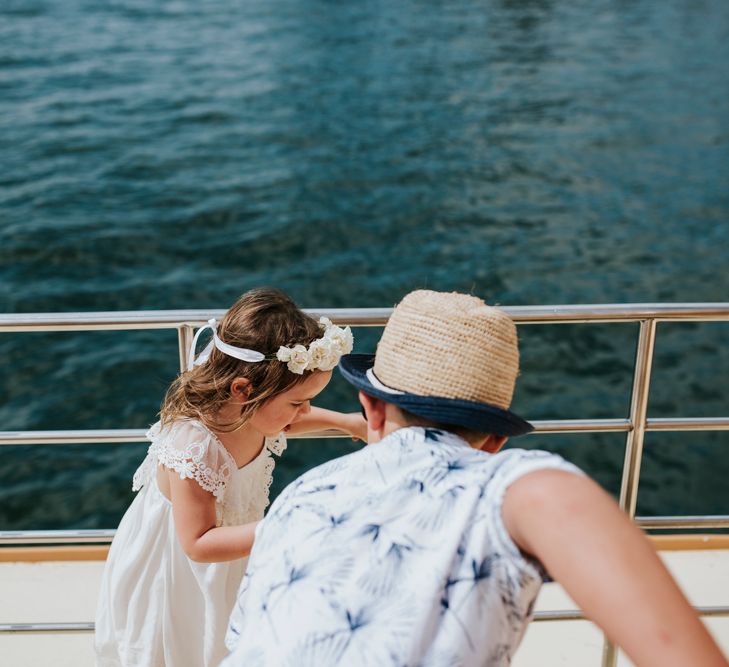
x: 157, y: 608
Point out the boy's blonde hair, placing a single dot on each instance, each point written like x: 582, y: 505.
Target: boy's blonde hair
x: 263, y: 320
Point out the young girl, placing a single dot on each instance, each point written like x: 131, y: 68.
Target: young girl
x: 178, y: 556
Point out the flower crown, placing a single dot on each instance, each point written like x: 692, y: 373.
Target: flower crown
x: 322, y: 354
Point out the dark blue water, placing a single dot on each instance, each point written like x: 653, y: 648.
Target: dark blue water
x: 174, y: 154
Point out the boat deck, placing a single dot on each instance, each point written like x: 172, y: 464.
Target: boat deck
x: 66, y: 591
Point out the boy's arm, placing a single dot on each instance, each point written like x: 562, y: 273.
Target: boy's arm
x: 608, y: 567
x: 319, y: 419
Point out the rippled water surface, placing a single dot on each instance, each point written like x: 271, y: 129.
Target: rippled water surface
x: 174, y: 154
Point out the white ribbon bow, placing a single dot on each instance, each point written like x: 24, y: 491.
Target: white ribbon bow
x: 238, y: 352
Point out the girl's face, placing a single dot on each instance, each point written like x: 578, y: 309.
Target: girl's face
x: 278, y: 413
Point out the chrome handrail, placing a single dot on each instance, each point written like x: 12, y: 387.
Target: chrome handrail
x: 578, y: 615
x: 648, y: 315
x: 48, y: 537
x: 365, y: 317
x: 116, y: 436
x: 105, y: 536
x: 124, y: 320
x: 539, y: 616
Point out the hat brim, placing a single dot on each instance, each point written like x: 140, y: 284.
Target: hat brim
x: 481, y: 417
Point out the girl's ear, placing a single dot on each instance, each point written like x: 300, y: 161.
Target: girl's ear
x: 240, y: 389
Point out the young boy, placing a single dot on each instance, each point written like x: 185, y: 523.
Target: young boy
x: 429, y: 546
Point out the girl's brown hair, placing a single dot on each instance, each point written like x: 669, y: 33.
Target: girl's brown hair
x: 263, y: 320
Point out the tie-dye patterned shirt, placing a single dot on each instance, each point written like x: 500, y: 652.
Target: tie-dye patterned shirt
x: 395, y: 555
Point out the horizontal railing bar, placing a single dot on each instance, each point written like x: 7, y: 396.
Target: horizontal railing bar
x: 688, y: 424
x: 109, y: 436
x: 608, y: 425
x: 580, y: 425
x: 539, y: 616
x: 45, y: 537
x: 561, y: 615
x: 116, y: 436
x: 607, y: 313
x: 79, y: 437
x: 670, y: 522
x: 167, y: 319
x: 577, y: 615
x: 163, y: 319
x: 45, y: 627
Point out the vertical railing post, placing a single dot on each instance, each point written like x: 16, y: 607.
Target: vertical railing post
x: 638, y: 417
x: 609, y: 654
x: 634, y: 442
x: 184, y: 342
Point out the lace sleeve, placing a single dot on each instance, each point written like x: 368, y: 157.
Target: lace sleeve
x: 192, y: 451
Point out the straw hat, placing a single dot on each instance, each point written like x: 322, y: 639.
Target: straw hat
x: 447, y: 357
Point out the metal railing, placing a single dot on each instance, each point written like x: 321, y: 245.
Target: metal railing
x: 636, y: 425
x: 539, y: 617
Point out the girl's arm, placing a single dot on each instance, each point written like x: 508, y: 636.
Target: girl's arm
x: 319, y: 419
x: 608, y: 567
x: 193, y: 509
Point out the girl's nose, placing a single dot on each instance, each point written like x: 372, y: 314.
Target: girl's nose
x: 305, y: 408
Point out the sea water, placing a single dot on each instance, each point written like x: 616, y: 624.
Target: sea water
x: 174, y: 154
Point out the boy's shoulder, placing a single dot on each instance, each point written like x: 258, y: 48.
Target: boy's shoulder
x: 329, y: 474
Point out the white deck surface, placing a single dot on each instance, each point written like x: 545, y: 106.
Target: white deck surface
x: 66, y: 592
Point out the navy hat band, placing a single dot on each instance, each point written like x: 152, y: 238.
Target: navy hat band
x: 357, y: 369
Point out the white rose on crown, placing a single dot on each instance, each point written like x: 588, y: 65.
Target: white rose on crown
x: 296, y: 356
x: 323, y: 354
x: 341, y: 339
x: 284, y: 353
